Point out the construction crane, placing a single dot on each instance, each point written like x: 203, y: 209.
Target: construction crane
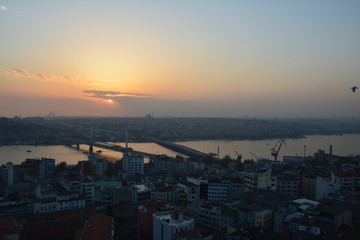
x: 256, y: 157
x: 239, y: 156
x: 274, y: 151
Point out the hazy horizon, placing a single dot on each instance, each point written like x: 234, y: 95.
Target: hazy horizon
x: 262, y: 59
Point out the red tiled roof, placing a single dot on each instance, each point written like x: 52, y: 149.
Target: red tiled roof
x: 98, y: 227
x: 153, y: 204
x: 67, y: 193
x: 188, y: 184
x: 48, y: 200
x: 7, y: 226
x: 338, y: 172
x: 164, y: 189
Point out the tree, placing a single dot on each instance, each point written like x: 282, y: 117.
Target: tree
x: 61, y: 167
x: 226, y: 160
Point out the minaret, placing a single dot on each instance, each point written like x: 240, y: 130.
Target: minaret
x: 91, y: 148
x: 125, y: 154
x: 126, y: 139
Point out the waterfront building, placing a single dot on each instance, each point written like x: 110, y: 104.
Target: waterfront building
x: 84, y: 168
x: 167, y: 224
x: 46, y: 167
x: 7, y: 174
x: 41, y: 168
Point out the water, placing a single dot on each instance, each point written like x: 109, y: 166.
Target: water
x: 18, y: 153
x: 343, y: 145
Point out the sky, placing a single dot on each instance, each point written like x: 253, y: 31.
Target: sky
x: 266, y: 59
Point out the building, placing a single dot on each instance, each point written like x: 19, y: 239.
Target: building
x: 164, y: 194
x: 210, y: 215
x: 264, y: 219
x: 7, y: 174
x: 264, y: 180
x: 62, y: 201
x: 145, y: 213
x: 218, y: 190
x: 83, y: 185
x: 143, y: 192
x: 132, y: 165
x: 46, y: 167
x: 167, y: 224
x: 111, y: 192
x: 84, y: 168
x: 304, y: 228
x: 288, y: 185
x: 250, y: 181
x: 42, y: 168
x: 191, y: 192
x: 346, y: 176
x: 309, y: 186
x: 325, y: 188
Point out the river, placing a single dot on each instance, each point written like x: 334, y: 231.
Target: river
x: 343, y: 145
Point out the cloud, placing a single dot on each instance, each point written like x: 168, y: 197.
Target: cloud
x: 3, y: 8
x: 112, y: 94
x: 18, y: 72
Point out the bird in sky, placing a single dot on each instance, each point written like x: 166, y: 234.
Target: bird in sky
x: 354, y: 88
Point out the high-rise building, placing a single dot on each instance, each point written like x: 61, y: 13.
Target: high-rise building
x: 132, y: 165
x: 7, y: 174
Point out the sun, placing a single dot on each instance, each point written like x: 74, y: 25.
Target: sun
x: 110, y: 101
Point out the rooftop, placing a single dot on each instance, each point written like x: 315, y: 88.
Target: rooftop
x: 98, y: 227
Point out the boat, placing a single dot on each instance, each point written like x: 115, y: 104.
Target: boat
x: 28, y: 150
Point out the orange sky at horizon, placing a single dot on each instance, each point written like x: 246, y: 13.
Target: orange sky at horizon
x: 262, y: 59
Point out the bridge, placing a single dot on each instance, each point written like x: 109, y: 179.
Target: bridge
x: 169, y: 145
x: 182, y: 149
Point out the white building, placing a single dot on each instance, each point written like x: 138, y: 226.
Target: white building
x: 325, y: 188
x: 7, y: 174
x: 63, y: 201
x: 133, y: 165
x: 167, y: 224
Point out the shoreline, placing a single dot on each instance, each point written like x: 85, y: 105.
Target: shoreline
x: 192, y: 140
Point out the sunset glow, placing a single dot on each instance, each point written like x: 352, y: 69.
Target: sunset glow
x: 258, y: 58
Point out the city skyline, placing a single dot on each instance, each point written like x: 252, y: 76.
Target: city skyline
x: 181, y: 59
